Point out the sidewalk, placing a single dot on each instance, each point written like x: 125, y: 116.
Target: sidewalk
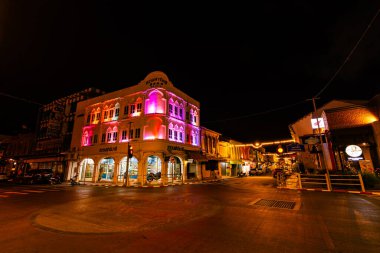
x: 151, y: 185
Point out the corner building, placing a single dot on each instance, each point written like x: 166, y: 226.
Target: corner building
x: 159, y: 122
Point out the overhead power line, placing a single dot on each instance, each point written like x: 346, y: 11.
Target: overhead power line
x: 21, y: 99
x: 257, y: 113
x: 320, y: 92
x: 349, y: 55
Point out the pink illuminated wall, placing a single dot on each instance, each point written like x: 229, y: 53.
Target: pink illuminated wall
x: 87, y: 135
x: 155, y: 103
x: 154, y: 129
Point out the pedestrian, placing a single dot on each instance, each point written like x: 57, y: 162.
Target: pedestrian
x: 100, y: 174
x: 301, y: 167
x: 75, y: 176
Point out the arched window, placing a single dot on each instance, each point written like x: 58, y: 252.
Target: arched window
x: 92, y: 117
x: 180, y: 113
x: 139, y: 105
x: 176, y: 132
x: 195, y: 118
x: 111, y: 112
x: 105, y: 113
x: 136, y: 108
x: 170, y: 131
x: 89, y: 115
x: 191, y: 116
x: 112, y: 134
x: 85, y: 139
x: 171, y: 107
x: 117, y: 111
x: 176, y: 108
x: 194, y: 137
x: 181, y: 133
x: 97, y: 116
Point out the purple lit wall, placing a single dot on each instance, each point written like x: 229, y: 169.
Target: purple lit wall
x: 155, y: 103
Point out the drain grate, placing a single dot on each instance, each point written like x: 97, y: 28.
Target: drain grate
x: 275, y: 203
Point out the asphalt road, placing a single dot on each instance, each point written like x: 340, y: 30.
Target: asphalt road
x: 235, y: 215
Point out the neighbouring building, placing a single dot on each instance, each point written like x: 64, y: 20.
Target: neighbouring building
x: 349, y: 131
x: 12, y: 148
x: 54, y: 132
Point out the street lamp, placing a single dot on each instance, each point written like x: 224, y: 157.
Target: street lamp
x: 257, y: 146
x: 280, y: 150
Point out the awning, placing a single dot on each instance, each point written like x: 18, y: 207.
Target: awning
x: 197, y: 156
x: 44, y: 159
x: 216, y: 159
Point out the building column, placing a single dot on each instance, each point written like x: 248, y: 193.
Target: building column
x: 116, y: 170
x: 164, y: 172
x: 96, y: 172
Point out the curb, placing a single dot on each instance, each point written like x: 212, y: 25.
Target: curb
x: 322, y: 190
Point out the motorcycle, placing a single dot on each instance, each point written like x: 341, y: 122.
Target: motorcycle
x: 55, y: 180
x: 153, y: 176
x: 73, y: 181
x: 253, y: 172
x: 242, y: 174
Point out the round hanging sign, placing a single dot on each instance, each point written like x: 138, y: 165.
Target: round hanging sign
x: 353, y: 151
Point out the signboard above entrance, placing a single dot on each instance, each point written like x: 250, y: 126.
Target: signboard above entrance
x: 311, y: 140
x: 295, y: 147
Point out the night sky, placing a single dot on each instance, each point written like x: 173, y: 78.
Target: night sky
x: 251, y: 65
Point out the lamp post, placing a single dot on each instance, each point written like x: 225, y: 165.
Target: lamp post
x: 320, y: 139
x: 128, y: 154
x: 257, y: 146
x: 126, y: 169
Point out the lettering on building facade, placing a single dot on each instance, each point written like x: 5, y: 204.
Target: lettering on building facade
x: 156, y: 82
x: 108, y: 149
x: 170, y: 148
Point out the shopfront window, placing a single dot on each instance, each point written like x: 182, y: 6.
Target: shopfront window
x: 174, y: 167
x: 154, y: 164
x: 132, y: 171
x: 86, y: 169
x: 106, y: 169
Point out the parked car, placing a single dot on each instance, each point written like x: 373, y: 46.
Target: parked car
x: 37, y: 176
x: 3, y: 177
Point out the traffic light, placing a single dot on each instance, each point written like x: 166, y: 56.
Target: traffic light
x: 130, y: 151
x: 280, y: 150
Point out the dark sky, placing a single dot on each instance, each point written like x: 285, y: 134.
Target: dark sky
x: 247, y: 63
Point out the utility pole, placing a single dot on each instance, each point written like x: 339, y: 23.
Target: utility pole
x: 320, y: 139
x: 128, y: 147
